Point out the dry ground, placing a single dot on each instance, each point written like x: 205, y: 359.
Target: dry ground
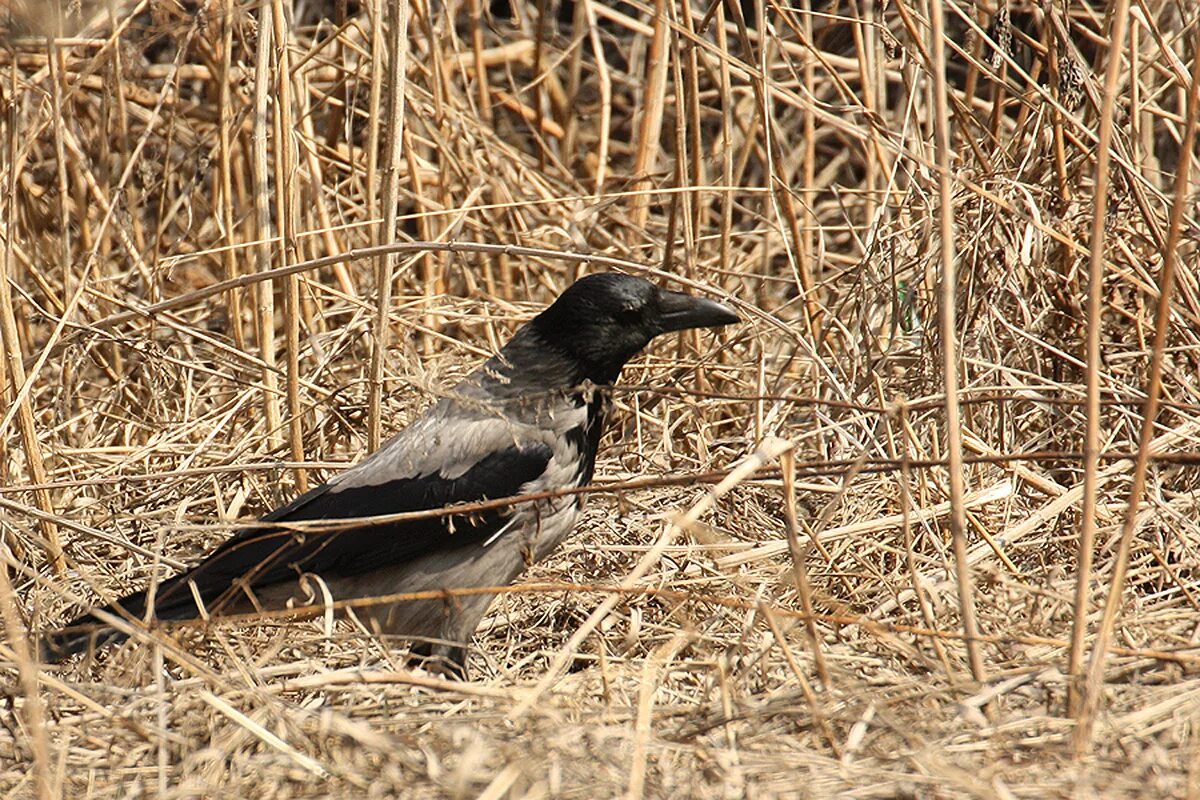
x: 778, y: 155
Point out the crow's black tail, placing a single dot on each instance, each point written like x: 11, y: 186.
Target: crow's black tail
x: 175, y: 598
x: 89, y: 631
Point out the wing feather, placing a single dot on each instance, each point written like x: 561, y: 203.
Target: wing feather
x: 260, y: 557
x: 454, y: 453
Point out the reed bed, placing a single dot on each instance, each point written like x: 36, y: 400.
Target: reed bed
x: 924, y: 525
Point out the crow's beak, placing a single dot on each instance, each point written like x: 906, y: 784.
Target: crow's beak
x: 679, y: 312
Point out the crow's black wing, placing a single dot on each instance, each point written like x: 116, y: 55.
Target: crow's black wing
x: 262, y: 557
x: 454, y: 453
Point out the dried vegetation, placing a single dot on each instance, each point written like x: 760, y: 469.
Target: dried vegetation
x: 161, y: 382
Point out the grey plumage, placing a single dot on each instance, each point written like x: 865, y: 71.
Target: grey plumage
x: 527, y: 421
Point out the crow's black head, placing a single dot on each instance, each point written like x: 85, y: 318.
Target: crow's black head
x: 601, y: 321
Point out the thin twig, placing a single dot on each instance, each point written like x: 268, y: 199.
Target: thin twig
x: 949, y: 336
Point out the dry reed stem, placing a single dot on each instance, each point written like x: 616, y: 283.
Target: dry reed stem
x: 225, y: 167
x: 949, y: 331
x: 385, y: 264
x: 264, y: 295
x: 787, y: 462
x: 374, y: 10
x: 650, y: 122
x: 1087, y: 527
x: 652, y: 670
x: 288, y: 223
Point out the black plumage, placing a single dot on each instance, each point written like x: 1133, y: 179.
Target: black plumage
x: 528, y: 420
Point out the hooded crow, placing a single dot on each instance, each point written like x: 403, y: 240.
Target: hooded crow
x: 527, y: 422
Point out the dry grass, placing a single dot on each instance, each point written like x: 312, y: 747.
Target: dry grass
x: 780, y: 159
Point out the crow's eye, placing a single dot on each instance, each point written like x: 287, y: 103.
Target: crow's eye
x: 629, y: 316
